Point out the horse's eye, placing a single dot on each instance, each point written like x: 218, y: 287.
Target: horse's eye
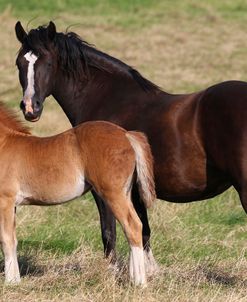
x: 49, y: 64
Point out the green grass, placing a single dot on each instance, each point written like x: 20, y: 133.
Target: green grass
x: 201, y: 245
x: 75, y: 5
x: 208, y: 227
x: 62, y: 229
x: 81, y: 7
x: 128, y: 12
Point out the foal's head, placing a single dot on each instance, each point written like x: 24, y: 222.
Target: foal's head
x: 37, y: 67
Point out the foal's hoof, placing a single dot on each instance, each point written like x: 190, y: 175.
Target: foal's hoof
x: 140, y: 285
x: 151, y: 265
x: 13, y: 281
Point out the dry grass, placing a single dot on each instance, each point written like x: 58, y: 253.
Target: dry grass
x: 84, y: 276
x: 200, y: 247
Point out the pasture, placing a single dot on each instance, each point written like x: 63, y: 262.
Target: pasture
x: 182, y: 46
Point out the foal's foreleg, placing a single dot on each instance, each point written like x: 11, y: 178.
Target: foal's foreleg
x: 123, y: 210
x: 8, y: 241
x: 108, y: 227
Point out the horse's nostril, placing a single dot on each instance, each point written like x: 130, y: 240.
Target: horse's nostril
x: 22, y: 105
x: 37, y: 106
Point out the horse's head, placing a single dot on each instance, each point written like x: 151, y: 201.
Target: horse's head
x: 62, y: 64
x: 37, y: 67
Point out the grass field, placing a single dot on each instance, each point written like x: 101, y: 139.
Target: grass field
x: 182, y: 46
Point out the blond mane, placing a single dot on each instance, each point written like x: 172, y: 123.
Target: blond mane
x: 9, y: 119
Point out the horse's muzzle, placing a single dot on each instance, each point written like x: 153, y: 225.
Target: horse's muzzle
x: 30, y: 112
x: 31, y: 117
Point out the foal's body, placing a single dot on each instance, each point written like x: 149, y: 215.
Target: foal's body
x: 53, y: 170
x: 64, y: 156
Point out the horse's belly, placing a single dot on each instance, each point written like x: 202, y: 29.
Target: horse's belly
x: 175, y: 186
x: 197, y: 182
x: 56, y: 192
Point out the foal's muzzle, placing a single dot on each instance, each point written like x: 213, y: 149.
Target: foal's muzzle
x: 31, y: 110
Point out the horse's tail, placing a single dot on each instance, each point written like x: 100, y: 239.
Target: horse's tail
x: 144, y: 166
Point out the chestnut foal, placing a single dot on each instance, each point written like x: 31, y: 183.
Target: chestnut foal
x: 53, y: 170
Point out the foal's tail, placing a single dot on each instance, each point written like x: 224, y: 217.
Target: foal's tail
x: 144, y: 166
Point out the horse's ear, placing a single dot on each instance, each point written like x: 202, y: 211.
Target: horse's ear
x: 20, y: 32
x: 51, y: 28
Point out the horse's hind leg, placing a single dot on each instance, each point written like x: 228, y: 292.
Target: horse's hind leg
x: 150, y: 263
x: 8, y: 241
x: 122, y: 208
x: 242, y: 192
x: 108, y: 227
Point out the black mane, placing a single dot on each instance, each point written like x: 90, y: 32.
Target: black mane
x: 76, y: 55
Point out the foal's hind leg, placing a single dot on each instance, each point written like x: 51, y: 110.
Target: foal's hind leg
x: 8, y: 241
x: 123, y: 210
x: 108, y: 228
x: 150, y: 263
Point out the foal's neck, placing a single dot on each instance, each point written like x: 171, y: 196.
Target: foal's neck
x: 10, y: 124
x: 7, y: 135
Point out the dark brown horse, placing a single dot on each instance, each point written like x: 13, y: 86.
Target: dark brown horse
x: 198, y: 140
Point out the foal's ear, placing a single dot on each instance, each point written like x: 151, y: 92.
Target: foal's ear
x: 20, y: 32
x: 51, y: 30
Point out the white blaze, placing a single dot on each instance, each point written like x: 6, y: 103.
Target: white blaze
x: 29, y: 92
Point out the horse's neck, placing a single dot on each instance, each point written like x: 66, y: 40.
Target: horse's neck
x: 84, y: 101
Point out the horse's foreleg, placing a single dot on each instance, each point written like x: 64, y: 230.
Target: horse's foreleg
x: 108, y: 227
x: 123, y: 210
x: 150, y: 263
x: 8, y: 241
